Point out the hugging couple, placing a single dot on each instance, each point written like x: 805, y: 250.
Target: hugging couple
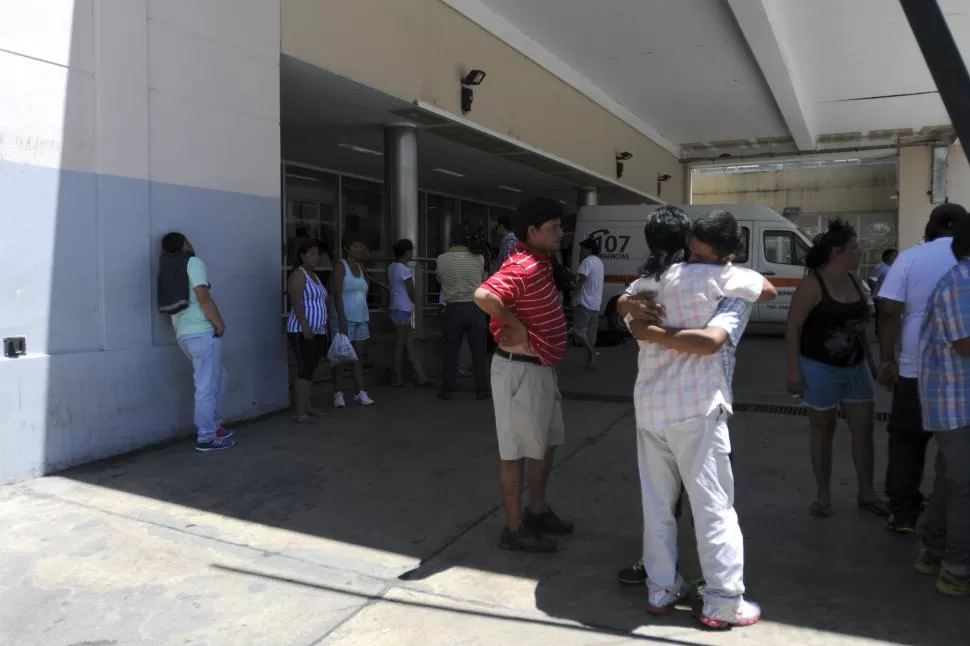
x: 683, y: 400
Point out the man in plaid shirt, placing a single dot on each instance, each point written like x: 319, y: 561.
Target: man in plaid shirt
x: 503, y: 228
x: 944, y: 388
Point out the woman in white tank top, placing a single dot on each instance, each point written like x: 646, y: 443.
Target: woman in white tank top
x: 400, y: 279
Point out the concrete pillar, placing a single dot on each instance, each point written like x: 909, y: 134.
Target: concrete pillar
x: 401, y: 182
x: 587, y: 197
x: 915, y: 177
x: 447, y: 220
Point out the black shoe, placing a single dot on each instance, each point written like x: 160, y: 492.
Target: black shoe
x: 902, y: 523
x: 546, y: 523
x: 445, y: 396
x: 636, y: 574
x: 525, y: 541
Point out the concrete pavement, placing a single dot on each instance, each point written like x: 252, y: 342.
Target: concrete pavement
x: 379, y: 526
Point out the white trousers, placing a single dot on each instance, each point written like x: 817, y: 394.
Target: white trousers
x: 695, y: 453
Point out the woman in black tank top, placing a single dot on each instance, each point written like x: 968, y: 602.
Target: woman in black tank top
x: 830, y: 363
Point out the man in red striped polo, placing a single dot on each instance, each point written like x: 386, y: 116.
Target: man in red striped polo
x: 529, y: 327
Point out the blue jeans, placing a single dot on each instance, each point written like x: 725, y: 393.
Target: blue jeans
x: 205, y: 352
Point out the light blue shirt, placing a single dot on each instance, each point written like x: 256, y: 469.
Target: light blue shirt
x: 192, y: 320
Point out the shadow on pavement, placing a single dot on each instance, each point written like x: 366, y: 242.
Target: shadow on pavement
x: 416, y: 478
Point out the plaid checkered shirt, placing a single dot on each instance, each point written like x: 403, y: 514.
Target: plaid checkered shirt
x: 675, y: 387
x: 944, y: 375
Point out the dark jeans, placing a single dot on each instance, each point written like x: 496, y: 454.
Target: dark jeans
x: 907, y: 449
x: 948, y: 515
x: 458, y: 320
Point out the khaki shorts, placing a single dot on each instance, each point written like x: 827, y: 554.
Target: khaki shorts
x: 528, y: 409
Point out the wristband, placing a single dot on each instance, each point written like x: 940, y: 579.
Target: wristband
x: 628, y: 320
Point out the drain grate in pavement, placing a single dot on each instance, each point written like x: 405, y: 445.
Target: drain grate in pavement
x: 739, y: 407
x: 790, y: 409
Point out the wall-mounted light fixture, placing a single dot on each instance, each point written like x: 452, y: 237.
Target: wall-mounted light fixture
x: 620, y: 158
x: 470, y: 80
x: 661, y: 179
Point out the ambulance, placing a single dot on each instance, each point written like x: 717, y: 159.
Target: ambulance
x: 770, y: 244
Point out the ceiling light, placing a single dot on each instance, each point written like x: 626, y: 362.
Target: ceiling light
x: 509, y: 188
x: 303, y: 177
x: 361, y: 149
x: 445, y: 171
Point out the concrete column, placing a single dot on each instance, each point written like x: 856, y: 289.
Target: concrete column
x: 915, y: 176
x: 447, y: 220
x: 401, y: 182
x: 587, y: 197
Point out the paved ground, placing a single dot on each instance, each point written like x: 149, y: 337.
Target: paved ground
x: 378, y: 526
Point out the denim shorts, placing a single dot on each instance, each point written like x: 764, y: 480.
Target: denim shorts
x: 356, y: 330
x: 828, y: 386
x: 400, y: 317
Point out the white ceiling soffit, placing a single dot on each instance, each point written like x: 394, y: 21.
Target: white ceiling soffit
x: 481, y: 14
x: 759, y: 24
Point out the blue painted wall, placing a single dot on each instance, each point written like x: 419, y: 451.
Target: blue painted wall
x: 103, y: 374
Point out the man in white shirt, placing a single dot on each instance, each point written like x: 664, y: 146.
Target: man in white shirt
x: 589, y: 297
x: 903, y: 297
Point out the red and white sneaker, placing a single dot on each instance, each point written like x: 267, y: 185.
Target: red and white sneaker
x: 746, y: 613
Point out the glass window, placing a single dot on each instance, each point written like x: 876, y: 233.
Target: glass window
x: 441, y: 212
x: 474, y: 214
x: 784, y: 248
x: 742, y: 255
x: 363, y: 213
x: 311, y: 212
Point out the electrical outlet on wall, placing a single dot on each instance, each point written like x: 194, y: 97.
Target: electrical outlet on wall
x: 14, y: 346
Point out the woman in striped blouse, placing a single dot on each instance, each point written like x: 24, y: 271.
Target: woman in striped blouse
x: 307, y: 325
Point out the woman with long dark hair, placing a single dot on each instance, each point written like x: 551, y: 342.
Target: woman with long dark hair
x: 829, y: 361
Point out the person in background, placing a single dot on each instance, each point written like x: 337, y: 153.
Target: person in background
x: 589, y: 298
x: 507, y: 239
x: 903, y: 297
x: 944, y: 384
x: 183, y: 294
x: 529, y: 327
x: 349, y: 289
x: 306, y: 327
x: 460, y: 271
x: 829, y: 361
x: 875, y: 281
x: 400, y: 279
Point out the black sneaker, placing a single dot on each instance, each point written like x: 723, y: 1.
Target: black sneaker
x: 636, y: 574
x: 525, y: 541
x: 546, y: 523
x: 902, y: 523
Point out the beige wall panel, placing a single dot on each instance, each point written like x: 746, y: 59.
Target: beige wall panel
x: 418, y: 49
x: 854, y: 189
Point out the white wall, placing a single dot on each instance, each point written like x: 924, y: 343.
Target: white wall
x: 121, y: 120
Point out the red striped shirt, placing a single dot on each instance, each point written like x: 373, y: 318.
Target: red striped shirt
x: 526, y: 287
